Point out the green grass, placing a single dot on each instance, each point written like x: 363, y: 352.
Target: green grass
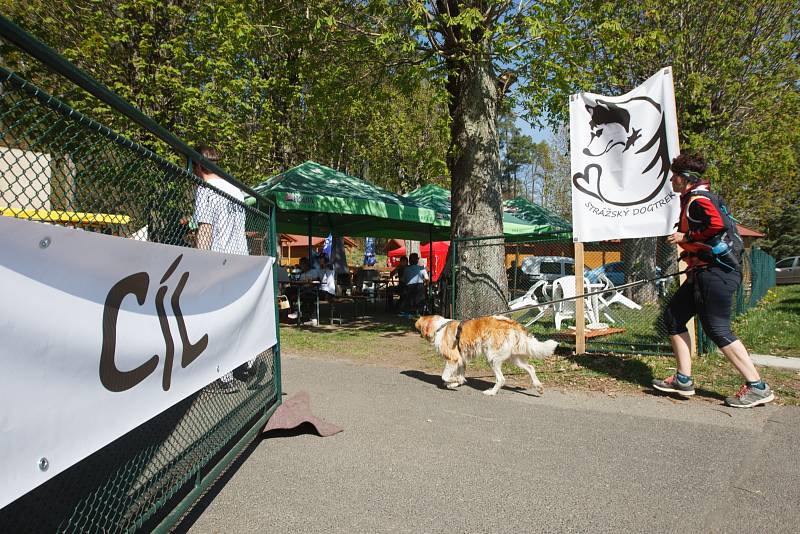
x: 642, y: 331
x: 631, y: 373
x: 365, y: 341
x: 773, y: 327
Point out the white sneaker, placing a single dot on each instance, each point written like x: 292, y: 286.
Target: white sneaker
x: 292, y: 315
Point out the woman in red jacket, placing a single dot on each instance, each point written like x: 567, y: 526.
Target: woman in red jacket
x: 708, y: 290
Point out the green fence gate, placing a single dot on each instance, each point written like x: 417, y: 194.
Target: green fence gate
x: 758, y: 279
x: 59, y: 166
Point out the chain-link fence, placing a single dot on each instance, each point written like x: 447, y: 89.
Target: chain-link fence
x: 617, y: 318
x: 758, y: 277
x: 58, y: 166
x: 625, y: 320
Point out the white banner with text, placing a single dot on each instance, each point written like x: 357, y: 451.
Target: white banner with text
x: 621, y: 148
x: 101, y: 333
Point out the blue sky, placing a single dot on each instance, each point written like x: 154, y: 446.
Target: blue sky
x: 538, y: 134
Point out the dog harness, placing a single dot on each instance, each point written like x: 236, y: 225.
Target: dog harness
x: 458, y: 332
x: 443, y: 325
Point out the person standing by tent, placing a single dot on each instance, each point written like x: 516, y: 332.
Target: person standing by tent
x: 220, y: 228
x: 708, y: 291
x: 220, y: 221
x: 414, y: 278
x: 399, y: 289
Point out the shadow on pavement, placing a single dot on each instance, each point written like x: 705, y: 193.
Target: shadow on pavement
x: 203, y: 502
x: 617, y: 367
x: 472, y: 383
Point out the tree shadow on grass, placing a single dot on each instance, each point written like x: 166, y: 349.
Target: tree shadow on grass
x: 385, y: 324
x: 616, y: 366
x: 791, y: 305
x: 628, y: 369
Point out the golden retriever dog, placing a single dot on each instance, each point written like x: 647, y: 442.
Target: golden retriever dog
x: 497, y: 337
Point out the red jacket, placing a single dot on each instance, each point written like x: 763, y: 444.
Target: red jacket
x: 700, y: 220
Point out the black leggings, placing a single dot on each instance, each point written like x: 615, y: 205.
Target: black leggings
x: 709, y: 295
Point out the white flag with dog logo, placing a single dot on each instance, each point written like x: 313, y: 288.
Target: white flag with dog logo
x: 621, y: 149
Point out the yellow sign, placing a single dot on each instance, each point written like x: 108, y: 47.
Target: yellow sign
x: 57, y: 216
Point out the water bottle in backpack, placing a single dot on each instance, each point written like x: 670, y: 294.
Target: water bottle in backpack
x: 724, y: 254
x: 727, y: 247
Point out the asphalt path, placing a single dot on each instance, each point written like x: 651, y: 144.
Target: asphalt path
x: 417, y: 458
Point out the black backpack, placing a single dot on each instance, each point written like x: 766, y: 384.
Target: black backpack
x: 729, y: 241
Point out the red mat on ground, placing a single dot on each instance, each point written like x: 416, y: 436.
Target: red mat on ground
x: 295, y: 411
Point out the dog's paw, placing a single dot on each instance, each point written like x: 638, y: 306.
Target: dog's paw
x: 461, y: 380
x: 539, y: 390
x: 490, y: 392
x: 452, y: 385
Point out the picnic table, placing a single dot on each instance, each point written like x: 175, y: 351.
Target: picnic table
x: 303, y: 288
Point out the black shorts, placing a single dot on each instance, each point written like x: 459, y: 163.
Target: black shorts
x: 707, y: 293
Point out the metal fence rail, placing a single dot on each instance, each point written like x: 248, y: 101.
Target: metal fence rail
x: 59, y: 166
x: 620, y: 321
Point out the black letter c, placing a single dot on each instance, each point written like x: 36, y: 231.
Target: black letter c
x: 112, y: 378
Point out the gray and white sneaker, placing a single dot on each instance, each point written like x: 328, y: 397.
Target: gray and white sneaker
x: 747, y: 397
x: 671, y: 384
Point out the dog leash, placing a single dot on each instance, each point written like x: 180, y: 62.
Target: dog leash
x: 599, y: 292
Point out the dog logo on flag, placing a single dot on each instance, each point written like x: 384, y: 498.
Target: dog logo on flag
x: 623, y: 134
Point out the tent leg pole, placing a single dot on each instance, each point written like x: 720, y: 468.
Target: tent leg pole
x: 516, y: 268
x: 309, y: 240
x: 430, y: 268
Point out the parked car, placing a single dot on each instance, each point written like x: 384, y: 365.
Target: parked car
x: 547, y: 267
x: 615, y: 271
x: 787, y: 271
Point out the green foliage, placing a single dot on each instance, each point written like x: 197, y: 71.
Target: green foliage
x: 271, y: 85
x: 773, y: 327
x: 371, y: 88
x: 783, y: 233
x: 526, y: 165
x: 735, y: 70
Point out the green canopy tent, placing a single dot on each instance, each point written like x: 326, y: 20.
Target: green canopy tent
x: 313, y: 198
x: 535, y: 214
x: 523, y: 221
x: 514, y: 228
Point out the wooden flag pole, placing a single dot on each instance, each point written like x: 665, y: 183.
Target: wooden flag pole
x: 580, y: 316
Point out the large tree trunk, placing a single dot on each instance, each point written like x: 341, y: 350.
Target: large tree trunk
x: 476, y: 201
x: 641, y: 259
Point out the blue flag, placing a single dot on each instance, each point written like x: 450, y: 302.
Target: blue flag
x: 327, y: 246
x: 369, y: 252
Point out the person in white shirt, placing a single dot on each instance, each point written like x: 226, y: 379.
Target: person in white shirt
x: 324, y: 275
x: 327, y: 278
x: 413, y: 273
x: 220, y: 221
x: 220, y: 228
x: 415, y: 278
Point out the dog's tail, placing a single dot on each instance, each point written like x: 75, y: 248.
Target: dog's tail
x: 541, y: 349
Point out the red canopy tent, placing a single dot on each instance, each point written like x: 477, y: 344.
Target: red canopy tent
x: 440, y: 249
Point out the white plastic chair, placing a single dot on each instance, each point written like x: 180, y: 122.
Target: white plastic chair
x: 564, y: 287
x: 530, y: 299
x: 616, y: 297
